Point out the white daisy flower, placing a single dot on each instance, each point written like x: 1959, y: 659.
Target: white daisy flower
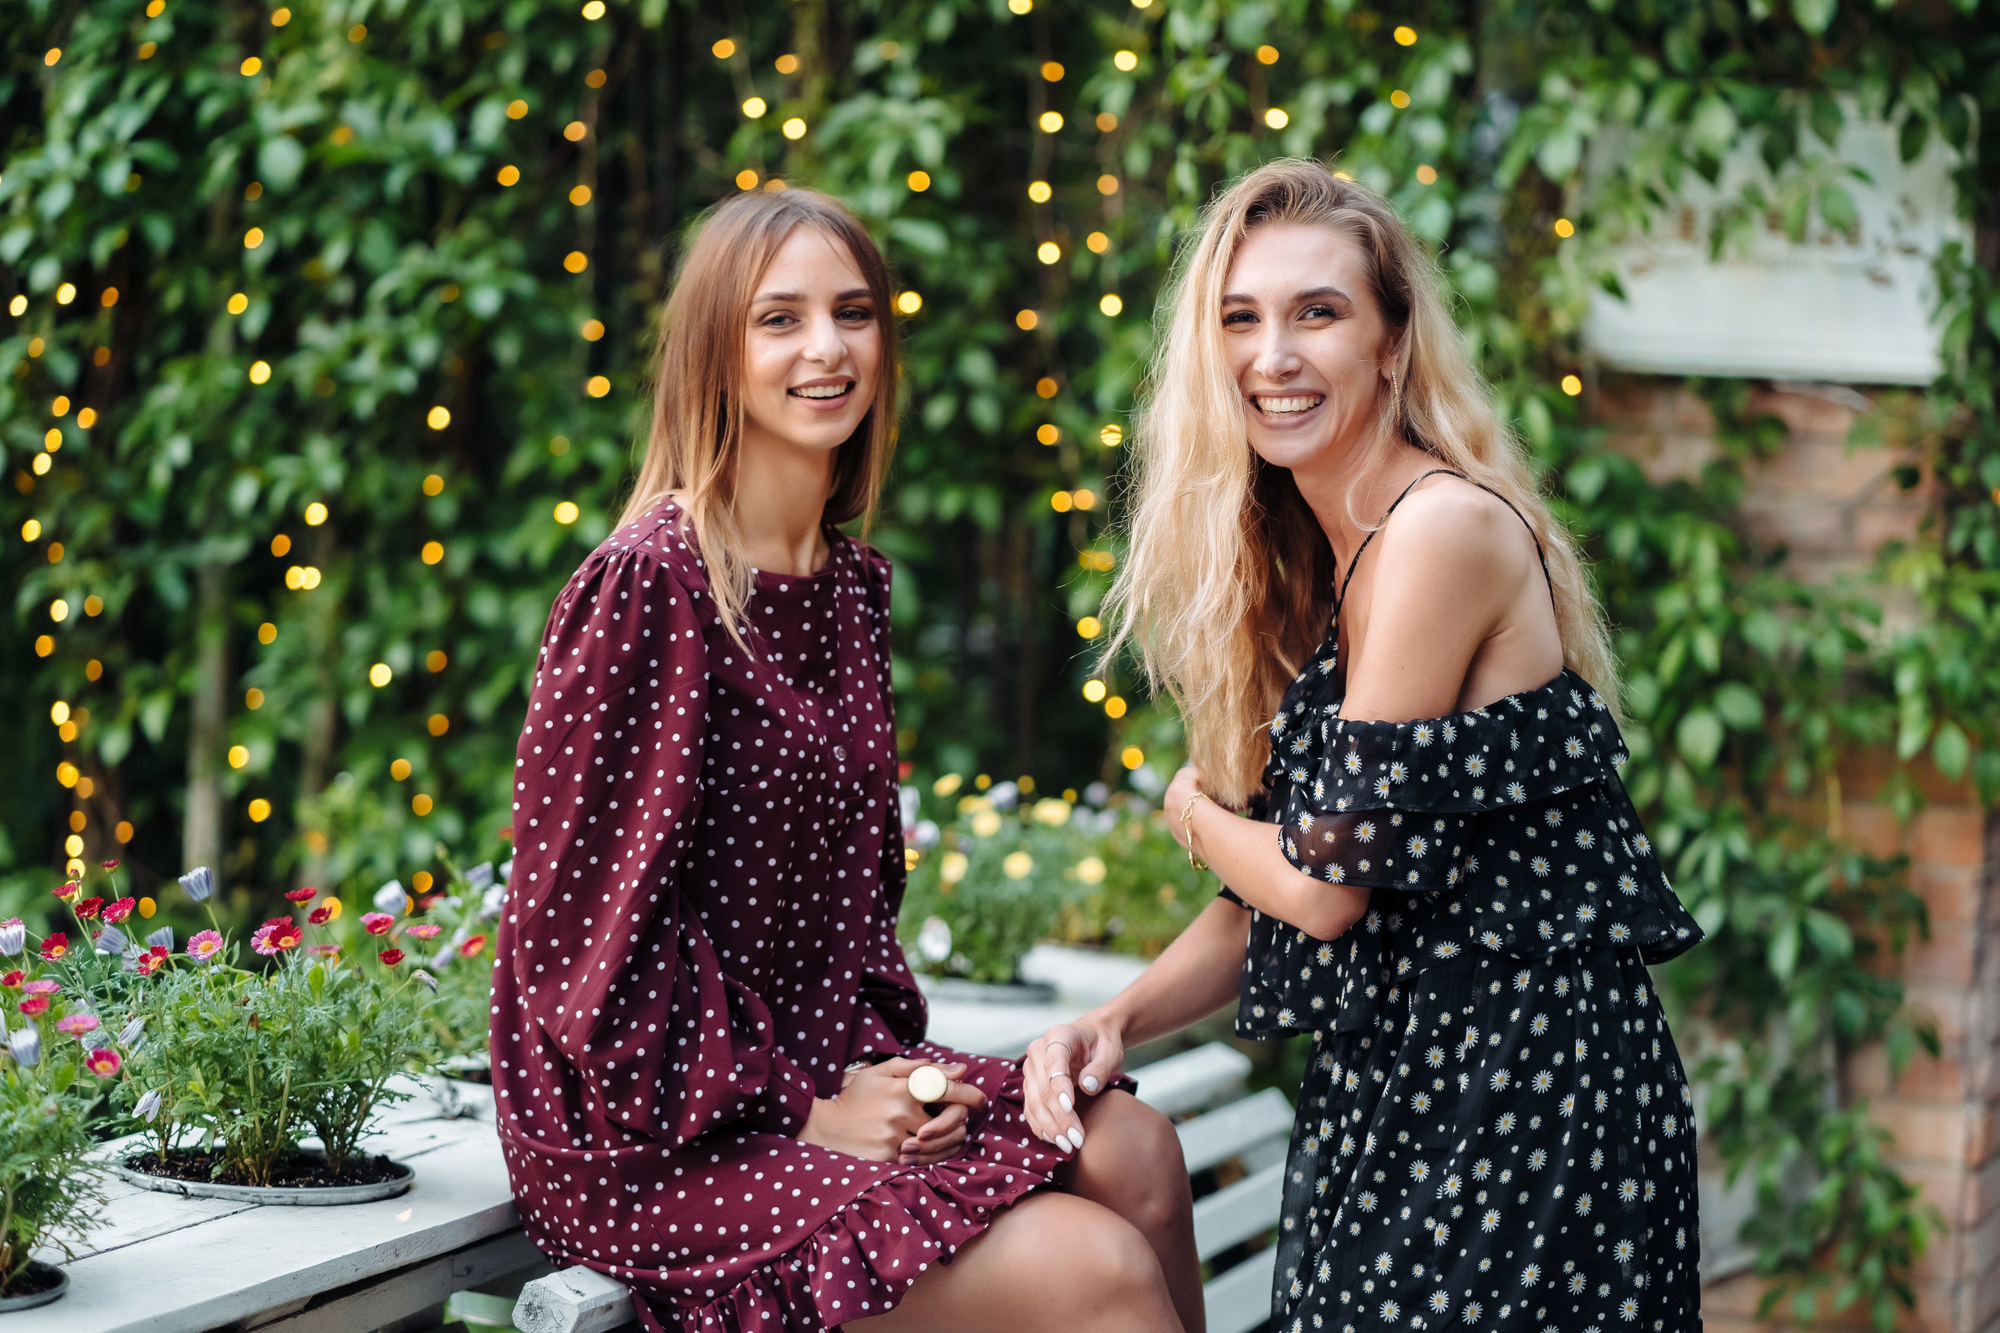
x: 1539, y: 1024
x: 1353, y: 761
x: 1440, y: 1303
x: 1583, y: 1205
x: 1516, y: 792
x: 1531, y: 1275
x: 1585, y: 839
x: 1475, y: 764
x: 1472, y: 1311
x: 1418, y: 846
x: 1538, y: 1159
x: 1421, y: 733
x: 1543, y: 1080
x: 1482, y: 1168
x: 1540, y: 865
x: 1383, y: 1263
x: 1573, y: 747
x: 1505, y: 1124
x: 1391, y: 1312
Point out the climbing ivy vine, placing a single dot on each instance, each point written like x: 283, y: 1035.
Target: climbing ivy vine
x: 356, y: 296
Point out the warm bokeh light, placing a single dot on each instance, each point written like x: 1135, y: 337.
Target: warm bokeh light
x: 1089, y: 627
x: 399, y: 769
x: 1048, y: 252
x: 1107, y: 185
x: 251, y: 240
x: 239, y: 756
x: 580, y: 195
x: 597, y: 386
x: 238, y: 303
x: 1406, y: 35
x: 260, y: 810
x: 786, y: 64
x: 438, y: 417
x: 267, y: 633
x: 1565, y: 228
x: 1047, y: 433
x: 435, y: 660
x: 1111, y: 303
x: 1040, y: 192
x: 1114, y: 707
x: 1132, y: 756
x: 517, y: 108
x: 1399, y: 99
x: 1571, y: 385
x: 253, y: 698
x: 592, y: 330
x: 380, y: 675
x: 1051, y: 121
x: 567, y: 512
x: 794, y: 128
x: 576, y: 261
x: 1045, y: 387
x: 433, y: 552
x: 1093, y: 690
x: 260, y: 372
x: 1060, y: 502
x: 433, y: 484
x: 1125, y: 60
x: 1427, y: 174
x: 1276, y: 118
x: 439, y: 724
x: 723, y: 49
x: 1111, y: 436
x: 1026, y: 319
x: 1267, y: 55
x: 1052, y: 71
x: 746, y: 179
x: 1084, y: 498
x: 575, y: 130
x: 910, y: 302
x: 919, y: 181
x: 755, y: 107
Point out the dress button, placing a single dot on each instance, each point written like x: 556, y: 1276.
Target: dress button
x: 840, y: 753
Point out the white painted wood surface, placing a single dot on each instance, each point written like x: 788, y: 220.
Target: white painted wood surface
x: 576, y: 1300
x: 163, y: 1264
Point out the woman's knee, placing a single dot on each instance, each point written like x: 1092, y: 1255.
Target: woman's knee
x: 1101, y: 1260
x: 1131, y: 1161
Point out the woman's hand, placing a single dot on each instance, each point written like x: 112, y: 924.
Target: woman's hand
x: 1094, y: 1049
x: 874, y: 1116
x: 1185, y: 786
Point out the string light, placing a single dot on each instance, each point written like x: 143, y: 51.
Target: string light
x: 400, y: 769
x: 1052, y: 71
x: 439, y: 724
x: 1276, y: 118
x: 1107, y: 185
x: 315, y: 514
x: 421, y: 803
x: 1093, y: 690
x: 597, y: 386
x: 508, y: 175
x: 567, y: 512
x: 433, y: 552
x: 580, y: 195
x: 1098, y: 242
x: 1039, y: 191
x: 438, y: 417
x: 1089, y: 627
x: 1267, y: 55
x: 910, y: 302
x: 1126, y: 61
x: 1020, y: 6
x: 746, y: 179
x: 260, y: 810
x: 238, y: 303
x: 786, y: 64
x: 358, y: 33
x: 251, y: 240
x: 1048, y: 252
x: 723, y: 49
x: 576, y: 261
x: 253, y: 698
x: 1399, y: 99
x: 593, y: 12
x: 1085, y: 499
x: 267, y: 633
x: 1114, y: 707
x: 87, y: 417
x: 754, y: 107
x: 1060, y: 502
x: 1045, y: 387
x: 260, y: 372
x: 1047, y: 433
x: 18, y: 306
x: 433, y: 485
x: 250, y: 66
x: 1571, y: 385
x: 1027, y: 319
x: 380, y: 675
x: 593, y: 329
x: 517, y: 108
x: 794, y: 128
x: 919, y: 181
x: 1565, y: 228
x: 575, y: 130
x: 1132, y: 756
x: 1112, y: 304
x: 1406, y: 35
x: 67, y: 292
x: 239, y: 756
x: 1111, y: 436
x: 1426, y: 174
x: 1051, y: 121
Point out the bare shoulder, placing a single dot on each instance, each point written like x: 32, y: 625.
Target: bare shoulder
x: 1450, y: 535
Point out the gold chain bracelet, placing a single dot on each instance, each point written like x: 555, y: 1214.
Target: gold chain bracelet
x: 1187, y: 831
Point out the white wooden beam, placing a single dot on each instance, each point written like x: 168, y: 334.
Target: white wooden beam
x: 576, y: 1300
x: 1232, y: 1215
x: 1240, y: 1299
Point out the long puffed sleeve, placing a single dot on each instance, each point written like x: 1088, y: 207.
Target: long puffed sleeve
x: 609, y: 962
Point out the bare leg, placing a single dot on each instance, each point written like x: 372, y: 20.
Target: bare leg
x: 1131, y: 1163
x: 1052, y: 1263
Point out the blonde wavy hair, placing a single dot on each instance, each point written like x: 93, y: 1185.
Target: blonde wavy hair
x: 697, y: 429
x: 1227, y: 583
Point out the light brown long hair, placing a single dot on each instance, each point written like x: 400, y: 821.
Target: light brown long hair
x: 1228, y: 583
x: 697, y: 431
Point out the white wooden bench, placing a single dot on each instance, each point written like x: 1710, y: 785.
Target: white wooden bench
x: 1250, y: 1132
x: 159, y: 1263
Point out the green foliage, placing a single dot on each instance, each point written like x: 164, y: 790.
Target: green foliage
x: 396, y: 274
x: 48, y: 1184
x: 254, y: 1062
x: 462, y: 956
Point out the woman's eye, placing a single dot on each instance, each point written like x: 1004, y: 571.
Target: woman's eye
x: 1319, y: 312
x: 776, y: 321
x: 857, y: 315
x: 1239, y: 317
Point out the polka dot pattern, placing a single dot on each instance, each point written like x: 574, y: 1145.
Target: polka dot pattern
x: 700, y: 936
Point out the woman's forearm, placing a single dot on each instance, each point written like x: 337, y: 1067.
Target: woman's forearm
x: 1194, y: 977
x: 1246, y: 855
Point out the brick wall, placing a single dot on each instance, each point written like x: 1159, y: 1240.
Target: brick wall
x: 1832, y: 505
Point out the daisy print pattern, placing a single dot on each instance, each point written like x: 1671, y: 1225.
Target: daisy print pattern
x: 1512, y: 1107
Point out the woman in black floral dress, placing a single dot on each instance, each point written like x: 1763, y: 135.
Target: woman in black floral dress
x: 1436, y: 871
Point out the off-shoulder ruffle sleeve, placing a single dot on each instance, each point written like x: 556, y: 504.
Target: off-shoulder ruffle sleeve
x: 1509, y: 821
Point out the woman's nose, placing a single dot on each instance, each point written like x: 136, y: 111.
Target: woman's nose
x: 823, y: 342
x: 1275, y: 358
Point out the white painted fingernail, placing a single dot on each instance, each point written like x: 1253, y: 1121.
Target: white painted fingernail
x: 1089, y: 1084
x: 1076, y: 1136
x: 1065, y: 1102
x: 1062, y: 1143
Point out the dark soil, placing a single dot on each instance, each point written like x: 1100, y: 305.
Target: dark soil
x: 301, y: 1172
x: 33, y: 1280
x: 470, y: 1076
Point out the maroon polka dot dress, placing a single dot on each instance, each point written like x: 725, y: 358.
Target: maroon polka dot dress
x: 700, y: 936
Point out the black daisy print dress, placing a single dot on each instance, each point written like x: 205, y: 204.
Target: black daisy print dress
x: 1495, y: 1131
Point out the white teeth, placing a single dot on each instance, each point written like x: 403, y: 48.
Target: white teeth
x: 824, y: 391
x: 1276, y: 406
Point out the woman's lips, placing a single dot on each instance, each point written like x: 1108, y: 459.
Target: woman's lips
x: 1287, y: 405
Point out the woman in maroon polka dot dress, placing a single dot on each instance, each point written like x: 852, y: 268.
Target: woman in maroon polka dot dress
x: 703, y: 1025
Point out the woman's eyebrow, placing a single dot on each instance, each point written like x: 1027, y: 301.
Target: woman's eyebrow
x: 851, y: 294
x: 1323, y: 293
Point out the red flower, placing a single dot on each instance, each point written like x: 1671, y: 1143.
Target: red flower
x: 35, y: 1004
x: 13, y: 979
x: 471, y: 948
x: 320, y: 915
x: 69, y: 890
x: 304, y: 895
x: 112, y: 864
x: 277, y: 935
x: 118, y: 911
x: 89, y: 908
x: 152, y: 960
x: 425, y: 903
x: 392, y: 956
x: 55, y: 946
x: 377, y: 923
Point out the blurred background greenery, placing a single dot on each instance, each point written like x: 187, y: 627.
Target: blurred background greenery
x: 325, y: 349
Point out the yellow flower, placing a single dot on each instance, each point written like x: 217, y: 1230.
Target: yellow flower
x: 1017, y: 865
x: 986, y: 823
x: 952, y: 869
x: 1052, y: 811
x: 1090, y: 870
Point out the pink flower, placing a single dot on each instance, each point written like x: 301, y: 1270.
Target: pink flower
x: 102, y: 1061
x: 152, y: 960
x: 55, y: 946
x: 35, y: 1004
x: 75, y: 1025
x: 392, y: 956
x: 377, y: 923
x: 276, y: 935
x: 89, y: 908
x: 42, y: 986
x: 118, y: 911
x: 12, y: 979
x: 69, y: 890
x: 325, y: 950
x: 471, y: 948
x: 424, y: 931
x: 320, y: 915
x: 304, y: 895
x: 204, y: 946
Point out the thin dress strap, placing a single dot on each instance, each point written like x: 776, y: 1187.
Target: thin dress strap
x: 1540, y: 554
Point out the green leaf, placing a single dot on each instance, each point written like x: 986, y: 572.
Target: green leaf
x: 1739, y: 706
x: 1699, y: 737
x: 1950, y: 750
x: 1915, y: 133
x: 1825, y: 113
x: 1836, y: 205
x: 1782, y: 954
x: 1814, y: 15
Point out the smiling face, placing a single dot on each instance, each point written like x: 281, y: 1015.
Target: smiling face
x: 813, y: 348
x: 1306, y: 343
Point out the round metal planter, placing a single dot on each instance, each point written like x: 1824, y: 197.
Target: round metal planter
x: 11, y: 1303
x: 303, y: 1196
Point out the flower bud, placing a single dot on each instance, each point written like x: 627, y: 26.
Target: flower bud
x: 13, y: 936
x: 199, y: 883
x: 390, y: 897
x: 149, y: 1105
x: 26, y: 1044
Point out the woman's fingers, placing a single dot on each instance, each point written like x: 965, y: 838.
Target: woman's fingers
x: 952, y: 1118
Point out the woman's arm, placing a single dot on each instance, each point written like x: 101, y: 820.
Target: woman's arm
x: 1245, y: 854
x: 1191, y: 980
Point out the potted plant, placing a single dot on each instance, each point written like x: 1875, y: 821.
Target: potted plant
x: 987, y: 885
x: 58, y: 1055
x: 456, y: 937
x: 235, y: 1067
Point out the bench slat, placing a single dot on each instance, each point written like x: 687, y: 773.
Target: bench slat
x: 1235, y: 1129
x: 1240, y: 1299
x: 1192, y: 1079
x: 1240, y: 1211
